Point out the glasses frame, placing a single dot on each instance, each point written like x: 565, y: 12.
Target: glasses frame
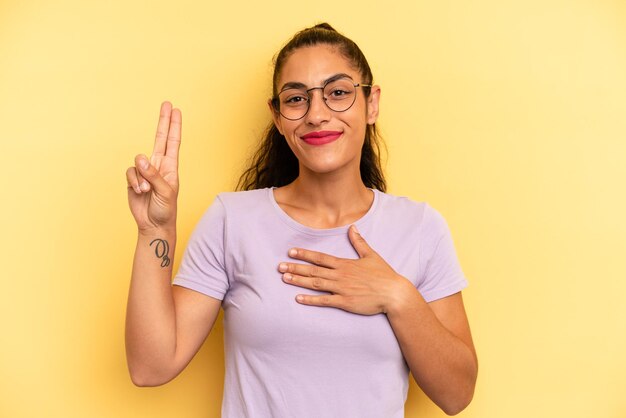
x: 276, y: 99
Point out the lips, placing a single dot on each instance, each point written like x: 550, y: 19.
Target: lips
x: 321, y: 137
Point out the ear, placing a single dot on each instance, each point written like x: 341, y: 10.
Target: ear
x: 275, y: 116
x: 372, y: 105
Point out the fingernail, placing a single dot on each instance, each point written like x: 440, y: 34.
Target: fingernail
x: 282, y: 267
x: 144, y: 163
x: 293, y: 252
x: 287, y: 276
x: 356, y: 229
x: 300, y: 298
x: 144, y: 186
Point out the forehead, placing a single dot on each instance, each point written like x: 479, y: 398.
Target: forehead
x: 313, y: 65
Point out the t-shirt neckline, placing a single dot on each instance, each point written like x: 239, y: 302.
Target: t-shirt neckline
x: 340, y: 230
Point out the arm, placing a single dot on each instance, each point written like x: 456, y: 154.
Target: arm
x: 165, y: 325
x: 437, y: 344
x: 435, y: 338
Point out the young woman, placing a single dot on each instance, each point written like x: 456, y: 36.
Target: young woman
x: 332, y: 289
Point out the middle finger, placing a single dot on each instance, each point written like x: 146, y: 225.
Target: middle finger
x: 307, y: 270
x: 313, y: 283
x: 163, y: 128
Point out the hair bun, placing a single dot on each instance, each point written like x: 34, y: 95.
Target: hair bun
x: 324, y: 26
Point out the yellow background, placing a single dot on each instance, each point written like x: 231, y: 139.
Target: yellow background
x: 508, y: 117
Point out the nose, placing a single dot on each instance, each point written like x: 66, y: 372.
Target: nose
x: 318, y: 110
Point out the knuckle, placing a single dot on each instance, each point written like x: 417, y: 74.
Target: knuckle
x: 325, y: 300
x: 347, y: 302
x: 318, y: 259
x: 314, y: 271
x: 316, y: 283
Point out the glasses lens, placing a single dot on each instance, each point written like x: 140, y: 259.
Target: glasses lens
x: 293, y: 103
x: 340, y: 95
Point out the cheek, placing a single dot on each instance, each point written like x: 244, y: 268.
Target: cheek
x: 289, y: 129
x: 291, y: 138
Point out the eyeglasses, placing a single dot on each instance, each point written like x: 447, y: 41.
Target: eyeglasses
x: 339, y: 95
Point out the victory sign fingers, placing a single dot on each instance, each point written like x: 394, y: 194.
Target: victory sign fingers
x: 168, y: 135
x: 153, y: 182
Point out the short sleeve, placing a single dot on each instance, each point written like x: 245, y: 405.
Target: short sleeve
x: 202, y: 268
x: 441, y: 271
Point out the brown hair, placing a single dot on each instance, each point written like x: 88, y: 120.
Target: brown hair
x: 274, y: 164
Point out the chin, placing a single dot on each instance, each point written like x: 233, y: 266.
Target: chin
x: 324, y: 167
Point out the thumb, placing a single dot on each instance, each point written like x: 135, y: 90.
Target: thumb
x: 358, y: 242
x: 152, y: 175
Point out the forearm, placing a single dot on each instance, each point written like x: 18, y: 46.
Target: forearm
x: 443, y: 365
x: 150, y: 315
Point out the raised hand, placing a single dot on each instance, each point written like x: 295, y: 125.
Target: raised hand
x: 366, y: 286
x: 153, y: 184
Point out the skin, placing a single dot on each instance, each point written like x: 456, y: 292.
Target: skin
x: 328, y: 191
x: 166, y: 325
x: 434, y: 337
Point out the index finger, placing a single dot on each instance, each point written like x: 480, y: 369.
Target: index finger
x: 173, y: 136
x: 163, y: 128
x: 314, y: 257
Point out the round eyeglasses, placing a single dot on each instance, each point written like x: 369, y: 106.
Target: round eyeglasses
x: 293, y: 103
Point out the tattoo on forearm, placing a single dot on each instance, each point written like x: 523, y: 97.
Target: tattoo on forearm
x: 161, y: 250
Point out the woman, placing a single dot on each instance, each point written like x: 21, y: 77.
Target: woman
x: 332, y: 290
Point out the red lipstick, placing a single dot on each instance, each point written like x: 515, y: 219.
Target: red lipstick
x: 321, y: 137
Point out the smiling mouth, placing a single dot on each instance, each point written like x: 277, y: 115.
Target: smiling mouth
x: 321, y: 137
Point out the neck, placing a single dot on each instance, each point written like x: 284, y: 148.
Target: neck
x: 325, y: 200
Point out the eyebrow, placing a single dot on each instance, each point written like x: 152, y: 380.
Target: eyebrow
x: 298, y: 85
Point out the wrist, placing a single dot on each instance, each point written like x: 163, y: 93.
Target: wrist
x: 160, y: 242
x: 404, y: 297
x: 161, y: 232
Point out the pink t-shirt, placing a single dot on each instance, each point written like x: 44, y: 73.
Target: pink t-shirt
x: 284, y: 359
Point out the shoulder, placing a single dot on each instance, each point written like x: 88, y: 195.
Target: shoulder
x: 231, y: 204
x: 406, y: 210
x: 243, y: 200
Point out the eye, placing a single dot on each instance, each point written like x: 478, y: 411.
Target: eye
x: 339, y: 90
x: 293, y: 98
x: 296, y: 99
x: 338, y: 93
